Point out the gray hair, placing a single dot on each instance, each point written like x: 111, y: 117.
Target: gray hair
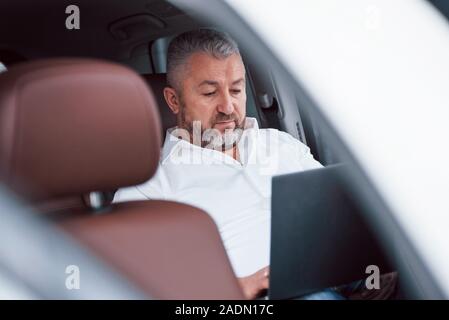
x: 215, y: 43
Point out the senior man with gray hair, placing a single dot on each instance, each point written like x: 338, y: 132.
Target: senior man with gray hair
x: 217, y: 158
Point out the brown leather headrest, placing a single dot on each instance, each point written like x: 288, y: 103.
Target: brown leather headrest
x: 72, y: 126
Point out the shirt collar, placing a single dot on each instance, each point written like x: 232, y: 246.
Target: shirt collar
x: 245, y: 144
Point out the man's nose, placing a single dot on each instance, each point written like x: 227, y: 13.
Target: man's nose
x: 225, y: 105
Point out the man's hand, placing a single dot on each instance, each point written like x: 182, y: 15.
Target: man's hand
x: 254, y: 284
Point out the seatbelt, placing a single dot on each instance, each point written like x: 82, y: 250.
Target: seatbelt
x: 271, y: 115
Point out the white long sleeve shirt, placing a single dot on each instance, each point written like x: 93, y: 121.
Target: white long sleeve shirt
x: 236, y: 194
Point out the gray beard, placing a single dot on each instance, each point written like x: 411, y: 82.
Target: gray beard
x: 212, y: 138
x: 221, y: 142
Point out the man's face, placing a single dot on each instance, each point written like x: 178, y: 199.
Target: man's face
x: 213, y: 93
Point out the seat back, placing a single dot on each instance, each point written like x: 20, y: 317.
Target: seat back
x: 71, y: 127
x: 171, y: 250
x: 157, y: 82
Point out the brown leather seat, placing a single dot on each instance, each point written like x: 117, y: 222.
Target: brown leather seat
x: 69, y: 127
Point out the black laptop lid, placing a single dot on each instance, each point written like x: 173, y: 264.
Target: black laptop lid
x: 318, y: 236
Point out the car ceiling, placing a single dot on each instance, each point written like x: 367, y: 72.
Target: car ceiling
x: 37, y: 29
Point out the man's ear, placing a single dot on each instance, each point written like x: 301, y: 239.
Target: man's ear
x: 172, y: 99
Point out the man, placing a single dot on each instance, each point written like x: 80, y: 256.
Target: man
x: 216, y: 158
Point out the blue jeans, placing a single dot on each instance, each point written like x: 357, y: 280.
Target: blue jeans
x: 332, y: 294
x: 328, y: 294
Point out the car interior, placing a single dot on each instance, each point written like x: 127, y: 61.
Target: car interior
x: 75, y: 127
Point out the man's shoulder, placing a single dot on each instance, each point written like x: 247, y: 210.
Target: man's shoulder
x: 280, y: 137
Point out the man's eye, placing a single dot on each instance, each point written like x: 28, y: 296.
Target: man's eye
x: 236, y: 91
x: 208, y: 94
